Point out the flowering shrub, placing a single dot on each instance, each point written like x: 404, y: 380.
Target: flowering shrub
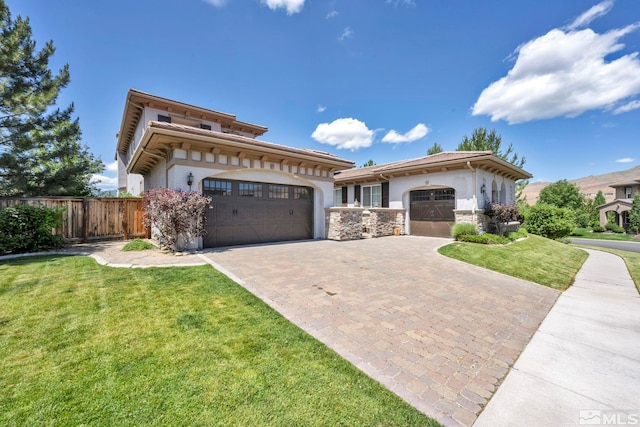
x: 172, y: 214
x: 502, y: 214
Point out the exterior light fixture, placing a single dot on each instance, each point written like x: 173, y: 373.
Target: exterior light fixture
x: 190, y: 180
x: 483, y: 189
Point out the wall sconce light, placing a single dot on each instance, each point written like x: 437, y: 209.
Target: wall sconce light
x: 190, y: 180
x: 483, y: 189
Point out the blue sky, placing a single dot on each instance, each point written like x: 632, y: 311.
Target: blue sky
x: 376, y: 79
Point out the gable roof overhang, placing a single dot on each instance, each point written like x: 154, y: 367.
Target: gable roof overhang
x: 160, y: 138
x: 136, y: 102
x: 440, y: 162
x: 616, y: 205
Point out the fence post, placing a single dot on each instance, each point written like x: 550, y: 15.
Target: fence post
x: 85, y: 220
x: 125, y: 218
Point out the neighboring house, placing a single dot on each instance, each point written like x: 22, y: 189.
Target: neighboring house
x: 621, y: 205
x: 432, y: 192
x: 261, y: 192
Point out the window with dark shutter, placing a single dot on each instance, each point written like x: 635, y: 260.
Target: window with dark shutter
x: 344, y: 195
x: 385, y: 194
x: 356, y: 194
x: 205, y: 127
x: 165, y: 119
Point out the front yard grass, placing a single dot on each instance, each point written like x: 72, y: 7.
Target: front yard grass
x: 588, y: 234
x: 83, y: 344
x: 535, y: 258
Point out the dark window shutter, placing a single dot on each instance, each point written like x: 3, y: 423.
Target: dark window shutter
x: 205, y: 127
x: 165, y: 119
x: 344, y: 195
x: 385, y: 194
x: 356, y: 194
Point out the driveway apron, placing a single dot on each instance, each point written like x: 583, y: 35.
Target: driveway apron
x: 440, y: 333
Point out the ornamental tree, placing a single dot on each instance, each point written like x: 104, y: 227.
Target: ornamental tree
x: 173, y: 215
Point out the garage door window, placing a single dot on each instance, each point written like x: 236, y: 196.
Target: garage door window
x: 372, y: 196
x: 250, y: 189
x: 278, y: 192
x: 301, y: 193
x: 218, y: 188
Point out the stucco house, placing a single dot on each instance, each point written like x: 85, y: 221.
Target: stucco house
x: 424, y: 196
x: 621, y: 205
x: 261, y: 191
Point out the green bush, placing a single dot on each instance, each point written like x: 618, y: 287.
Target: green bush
x: 463, y: 230
x: 598, y: 229
x: 549, y: 221
x: 25, y: 228
x: 515, y: 235
x: 485, y: 239
x: 614, y: 227
x: 138, y: 245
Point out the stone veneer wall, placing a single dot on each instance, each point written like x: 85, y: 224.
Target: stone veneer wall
x: 382, y: 221
x: 343, y: 223
x: 478, y: 218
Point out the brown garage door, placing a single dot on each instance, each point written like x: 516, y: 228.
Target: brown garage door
x: 431, y: 212
x: 244, y: 212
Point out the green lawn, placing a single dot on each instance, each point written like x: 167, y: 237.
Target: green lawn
x: 588, y: 234
x: 83, y: 344
x: 536, y: 259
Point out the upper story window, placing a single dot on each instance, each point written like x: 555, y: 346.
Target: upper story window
x: 628, y: 193
x: 165, y: 119
x: 372, y: 196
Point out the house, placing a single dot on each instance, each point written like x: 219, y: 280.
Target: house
x: 621, y: 205
x: 261, y: 191
x: 423, y: 196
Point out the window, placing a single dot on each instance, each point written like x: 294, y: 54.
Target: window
x: 250, y: 189
x: 372, y: 196
x: 278, y: 192
x: 205, y: 127
x: 301, y: 193
x: 628, y: 193
x: 337, y: 197
x: 165, y: 119
x: 218, y: 188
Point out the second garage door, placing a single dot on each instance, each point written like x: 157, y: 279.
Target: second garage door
x: 431, y: 212
x: 243, y: 212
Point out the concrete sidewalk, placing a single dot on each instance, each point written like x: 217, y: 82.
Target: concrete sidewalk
x: 582, y: 366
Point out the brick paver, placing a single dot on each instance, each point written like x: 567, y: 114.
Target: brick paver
x: 439, y: 333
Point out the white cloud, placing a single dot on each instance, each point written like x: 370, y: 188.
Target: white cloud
x: 347, y: 33
x: 321, y: 108
x: 111, y: 167
x: 419, y: 131
x: 625, y: 160
x: 564, y: 73
x: 105, y: 182
x: 591, y: 14
x: 332, y: 14
x: 347, y: 133
x: 292, y: 6
x: 633, y: 105
x: 216, y: 3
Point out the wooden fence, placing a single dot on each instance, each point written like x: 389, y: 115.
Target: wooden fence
x: 88, y: 218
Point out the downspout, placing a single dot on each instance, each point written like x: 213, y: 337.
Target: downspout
x: 475, y: 189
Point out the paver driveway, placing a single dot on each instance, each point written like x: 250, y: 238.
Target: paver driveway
x: 440, y: 333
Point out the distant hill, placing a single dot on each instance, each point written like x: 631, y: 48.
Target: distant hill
x: 589, y: 186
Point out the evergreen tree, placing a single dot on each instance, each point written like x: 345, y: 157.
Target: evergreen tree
x: 634, y: 214
x: 368, y: 163
x: 40, y: 148
x: 435, y: 149
x: 599, y: 200
x: 482, y: 140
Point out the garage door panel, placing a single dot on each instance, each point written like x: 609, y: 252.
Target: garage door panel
x: 257, y: 213
x: 432, y: 212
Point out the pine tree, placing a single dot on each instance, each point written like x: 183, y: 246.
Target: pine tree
x: 40, y: 148
x: 435, y: 149
x: 634, y: 214
x: 483, y: 140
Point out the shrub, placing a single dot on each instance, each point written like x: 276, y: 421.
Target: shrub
x: 463, y: 230
x: 171, y: 214
x: 138, y: 245
x: 485, y: 238
x: 515, y: 235
x: 598, y: 229
x: 614, y: 227
x: 549, y: 221
x: 501, y: 214
x: 25, y: 228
